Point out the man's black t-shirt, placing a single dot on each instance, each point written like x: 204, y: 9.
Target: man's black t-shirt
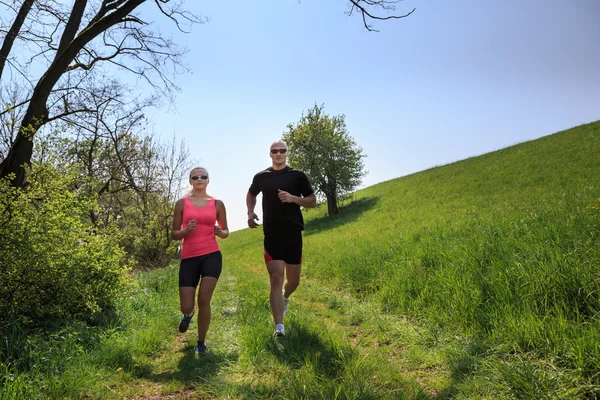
x: 277, y: 215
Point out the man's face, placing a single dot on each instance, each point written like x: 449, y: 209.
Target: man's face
x: 278, y: 153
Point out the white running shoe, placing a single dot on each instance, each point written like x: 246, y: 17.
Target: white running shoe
x: 279, y: 330
x: 286, y: 301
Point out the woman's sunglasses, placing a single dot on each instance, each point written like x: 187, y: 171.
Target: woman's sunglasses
x: 196, y: 177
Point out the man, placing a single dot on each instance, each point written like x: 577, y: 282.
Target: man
x: 284, y: 191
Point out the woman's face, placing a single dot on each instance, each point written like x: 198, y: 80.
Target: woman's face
x: 199, y: 178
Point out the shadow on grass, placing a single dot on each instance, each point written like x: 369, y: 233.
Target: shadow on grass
x: 192, y: 369
x: 301, y: 347
x: 462, y: 364
x: 59, y: 339
x: 348, y: 213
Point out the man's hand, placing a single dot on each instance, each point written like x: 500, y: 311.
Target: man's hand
x: 252, y: 218
x: 286, y: 197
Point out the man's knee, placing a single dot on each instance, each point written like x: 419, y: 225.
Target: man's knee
x: 293, y: 282
x: 276, y: 279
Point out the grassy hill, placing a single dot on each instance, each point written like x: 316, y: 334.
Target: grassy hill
x: 478, y: 279
x: 501, y: 251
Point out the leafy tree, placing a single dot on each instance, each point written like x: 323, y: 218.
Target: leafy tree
x: 321, y: 146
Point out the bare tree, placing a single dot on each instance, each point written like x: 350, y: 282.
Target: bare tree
x: 71, y: 45
x: 91, y: 33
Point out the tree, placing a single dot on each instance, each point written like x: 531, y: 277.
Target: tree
x: 74, y: 43
x: 321, y: 146
x: 74, y: 48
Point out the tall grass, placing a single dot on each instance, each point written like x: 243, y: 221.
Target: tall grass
x: 68, y: 359
x: 503, y: 248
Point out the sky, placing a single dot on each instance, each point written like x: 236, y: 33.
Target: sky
x: 453, y: 80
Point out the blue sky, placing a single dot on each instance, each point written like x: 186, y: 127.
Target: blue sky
x: 453, y: 80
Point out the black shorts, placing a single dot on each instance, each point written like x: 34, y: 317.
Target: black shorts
x: 285, y: 246
x: 191, y: 269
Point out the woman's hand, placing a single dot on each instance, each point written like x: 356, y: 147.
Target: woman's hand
x: 222, y: 233
x: 190, y: 226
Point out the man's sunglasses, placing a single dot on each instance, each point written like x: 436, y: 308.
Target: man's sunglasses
x: 196, y: 177
x: 280, y: 151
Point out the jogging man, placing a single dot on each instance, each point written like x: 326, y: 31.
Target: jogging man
x: 284, y: 191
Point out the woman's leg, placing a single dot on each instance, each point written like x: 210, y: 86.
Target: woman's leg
x: 205, y: 293
x: 189, y: 276
x: 186, y: 299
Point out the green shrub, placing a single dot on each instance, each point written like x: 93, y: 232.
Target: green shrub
x: 53, y: 263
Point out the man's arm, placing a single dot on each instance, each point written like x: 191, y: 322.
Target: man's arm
x: 309, y: 201
x: 250, y: 204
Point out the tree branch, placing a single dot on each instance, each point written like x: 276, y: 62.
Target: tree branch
x: 361, y: 5
x: 72, y: 25
x: 10, y: 37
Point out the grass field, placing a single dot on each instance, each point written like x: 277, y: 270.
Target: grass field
x: 474, y: 280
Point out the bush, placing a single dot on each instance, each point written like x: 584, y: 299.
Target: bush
x: 53, y: 263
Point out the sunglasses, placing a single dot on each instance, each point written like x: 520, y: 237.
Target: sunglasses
x: 280, y: 151
x: 196, y: 177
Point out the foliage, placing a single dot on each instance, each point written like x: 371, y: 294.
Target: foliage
x: 135, y: 179
x: 54, y: 262
x: 321, y: 147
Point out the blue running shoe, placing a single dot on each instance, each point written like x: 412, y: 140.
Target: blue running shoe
x: 200, y: 348
x: 184, y: 322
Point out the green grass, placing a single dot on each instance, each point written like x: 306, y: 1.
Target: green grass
x: 475, y: 280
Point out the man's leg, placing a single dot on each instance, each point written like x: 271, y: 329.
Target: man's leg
x: 293, y: 262
x: 292, y: 276
x: 276, y: 270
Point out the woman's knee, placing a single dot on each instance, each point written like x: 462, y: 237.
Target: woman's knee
x: 204, y: 300
x: 187, y: 308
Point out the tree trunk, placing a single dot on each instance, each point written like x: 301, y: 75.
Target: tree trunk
x: 21, y: 150
x: 14, y: 30
x: 332, y: 206
x: 37, y: 114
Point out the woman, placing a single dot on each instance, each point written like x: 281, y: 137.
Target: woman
x: 201, y: 261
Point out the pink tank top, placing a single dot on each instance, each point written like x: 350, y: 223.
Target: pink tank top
x: 201, y: 240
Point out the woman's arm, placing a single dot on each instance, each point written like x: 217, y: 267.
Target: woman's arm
x: 222, y: 229
x: 176, y: 232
